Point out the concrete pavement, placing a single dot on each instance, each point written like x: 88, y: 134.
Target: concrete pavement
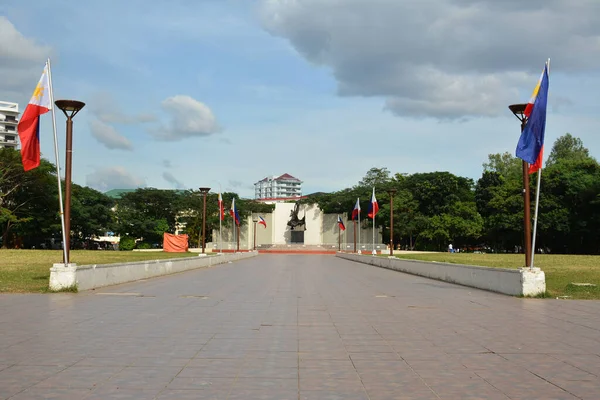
x: 296, y: 327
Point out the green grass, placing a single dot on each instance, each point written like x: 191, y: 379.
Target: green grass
x: 23, y: 271
x: 561, y: 270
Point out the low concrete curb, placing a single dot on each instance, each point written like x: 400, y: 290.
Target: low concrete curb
x: 87, y: 277
x: 515, y: 282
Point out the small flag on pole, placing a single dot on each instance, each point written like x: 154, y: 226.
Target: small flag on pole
x: 261, y: 221
x: 356, y: 211
x: 234, y: 213
x: 341, y: 223
x: 221, y: 208
x: 531, y: 143
x: 373, y: 206
x: 29, y: 125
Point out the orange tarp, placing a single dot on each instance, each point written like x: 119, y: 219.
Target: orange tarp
x: 175, y: 243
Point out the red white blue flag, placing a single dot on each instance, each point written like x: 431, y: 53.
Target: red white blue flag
x: 341, y: 224
x: 234, y: 213
x: 261, y: 221
x: 356, y: 211
x: 373, y: 206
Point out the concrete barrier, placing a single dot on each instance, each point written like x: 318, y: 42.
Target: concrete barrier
x: 86, y: 277
x: 515, y: 282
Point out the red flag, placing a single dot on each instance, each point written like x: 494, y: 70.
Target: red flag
x: 341, y: 224
x: 356, y: 210
x: 221, y: 208
x: 29, y: 126
x: 261, y: 221
x: 373, y: 207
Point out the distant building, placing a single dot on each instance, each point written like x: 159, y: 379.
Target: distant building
x: 9, y: 118
x: 282, y: 187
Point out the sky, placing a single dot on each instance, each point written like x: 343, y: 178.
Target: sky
x: 222, y: 93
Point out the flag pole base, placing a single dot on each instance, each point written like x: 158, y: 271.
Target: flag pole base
x: 374, y: 252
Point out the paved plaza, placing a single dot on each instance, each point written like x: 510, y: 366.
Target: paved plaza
x: 296, y: 327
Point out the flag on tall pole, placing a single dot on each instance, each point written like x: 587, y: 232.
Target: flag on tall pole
x: 531, y: 142
x: 29, y: 125
x: 373, y: 210
x: 356, y: 211
x: 341, y: 223
x: 221, y: 219
x: 221, y: 208
x: 234, y: 213
x: 261, y: 221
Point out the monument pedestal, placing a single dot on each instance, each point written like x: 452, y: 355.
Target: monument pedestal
x: 63, y: 276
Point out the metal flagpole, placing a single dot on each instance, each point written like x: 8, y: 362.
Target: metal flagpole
x: 537, y: 197
x: 374, y: 252
x: 221, y: 216
x: 60, y: 199
x: 359, y: 227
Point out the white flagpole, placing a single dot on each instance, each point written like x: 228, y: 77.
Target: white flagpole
x: 537, y: 197
x: 373, y: 252
x: 359, y: 226
x: 56, y: 156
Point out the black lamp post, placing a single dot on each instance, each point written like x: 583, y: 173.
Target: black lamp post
x: 204, y: 191
x: 519, y: 111
x: 70, y: 108
x: 392, y: 192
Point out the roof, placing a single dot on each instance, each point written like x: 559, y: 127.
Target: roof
x: 287, y: 177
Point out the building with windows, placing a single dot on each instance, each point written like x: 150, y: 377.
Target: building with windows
x: 9, y: 118
x: 284, y: 187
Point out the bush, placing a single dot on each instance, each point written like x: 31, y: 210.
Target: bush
x: 144, y: 245
x: 126, y: 243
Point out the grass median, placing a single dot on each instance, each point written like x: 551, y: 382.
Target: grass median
x: 23, y: 271
x: 563, y: 272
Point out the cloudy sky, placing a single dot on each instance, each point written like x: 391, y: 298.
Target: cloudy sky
x: 190, y: 93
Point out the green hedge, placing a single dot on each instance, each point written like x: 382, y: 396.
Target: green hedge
x: 126, y: 243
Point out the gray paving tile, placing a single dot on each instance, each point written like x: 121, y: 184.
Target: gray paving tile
x: 309, y: 327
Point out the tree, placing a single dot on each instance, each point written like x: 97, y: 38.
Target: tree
x: 28, y: 201
x: 505, y: 165
x: 568, y: 147
x: 376, y: 177
x: 91, y: 213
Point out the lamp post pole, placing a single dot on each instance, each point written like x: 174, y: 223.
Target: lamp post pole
x: 204, y: 191
x: 392, y: 192
x: 70, y: 108
x: 254, y: 243
x: 518, y: 110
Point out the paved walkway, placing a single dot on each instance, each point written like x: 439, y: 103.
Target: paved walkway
x: 296, y: 327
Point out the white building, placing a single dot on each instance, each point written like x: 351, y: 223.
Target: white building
x: 9, y: 118
x: 284, y: 187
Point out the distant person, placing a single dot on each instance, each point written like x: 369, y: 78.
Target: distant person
x: 450, y: 248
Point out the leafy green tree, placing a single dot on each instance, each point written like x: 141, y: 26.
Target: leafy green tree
x: 376, y: 177
x: 505, y: 165
x: 91, y: 213
x: 568, y: 147
x: 28, y: 201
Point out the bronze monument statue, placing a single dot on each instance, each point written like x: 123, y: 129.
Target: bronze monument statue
x: 294, y: 221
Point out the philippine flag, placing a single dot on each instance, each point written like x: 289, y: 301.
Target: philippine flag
x: 531, y: 143
x: 234, y: 213
x: 341, y: 224
x: 29, y: 126
x: 221, y: 208
x: 373, y: 207
x: 261, y: 221
x: 356, y: 211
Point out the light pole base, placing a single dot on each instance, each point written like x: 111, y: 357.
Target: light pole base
x: 374, y: 252
x: 201, y: 254
x: 63, y: 277
x: 359, y: 252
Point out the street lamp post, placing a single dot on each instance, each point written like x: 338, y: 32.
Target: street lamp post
x: 204, y: 191
x: 392, y: 192
x: 255, y: 220
x: 70, y: 108
x: 519, y: 111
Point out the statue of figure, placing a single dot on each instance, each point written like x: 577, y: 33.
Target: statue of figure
x: 294, y: 221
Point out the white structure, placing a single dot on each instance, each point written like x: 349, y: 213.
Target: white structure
x: 282, y: 187
x: 9, y: 113
x: 321, y: 231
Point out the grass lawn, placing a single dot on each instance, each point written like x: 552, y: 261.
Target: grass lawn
x: 29, y: 270
x: 561, y: 270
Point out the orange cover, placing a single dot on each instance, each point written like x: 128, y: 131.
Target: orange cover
x: 175, y: 243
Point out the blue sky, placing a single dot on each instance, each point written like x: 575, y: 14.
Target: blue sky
x: 225, y: 92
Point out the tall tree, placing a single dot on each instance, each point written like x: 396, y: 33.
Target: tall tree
x: 91, y: 213
x: 568, y: 147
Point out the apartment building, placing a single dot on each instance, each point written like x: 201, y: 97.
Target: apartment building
x: 9, y: 118
x: 278, y: 187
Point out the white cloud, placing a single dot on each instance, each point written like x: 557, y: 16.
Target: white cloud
x: 105, y: 179
x: 188, y: 118
x: 443, y: 59
x: 21, y: 61
x: 169, y: 177
x: 108, y: 136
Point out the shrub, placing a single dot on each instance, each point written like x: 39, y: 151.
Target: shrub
x: 126, y: 243
x: 144, y: 245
